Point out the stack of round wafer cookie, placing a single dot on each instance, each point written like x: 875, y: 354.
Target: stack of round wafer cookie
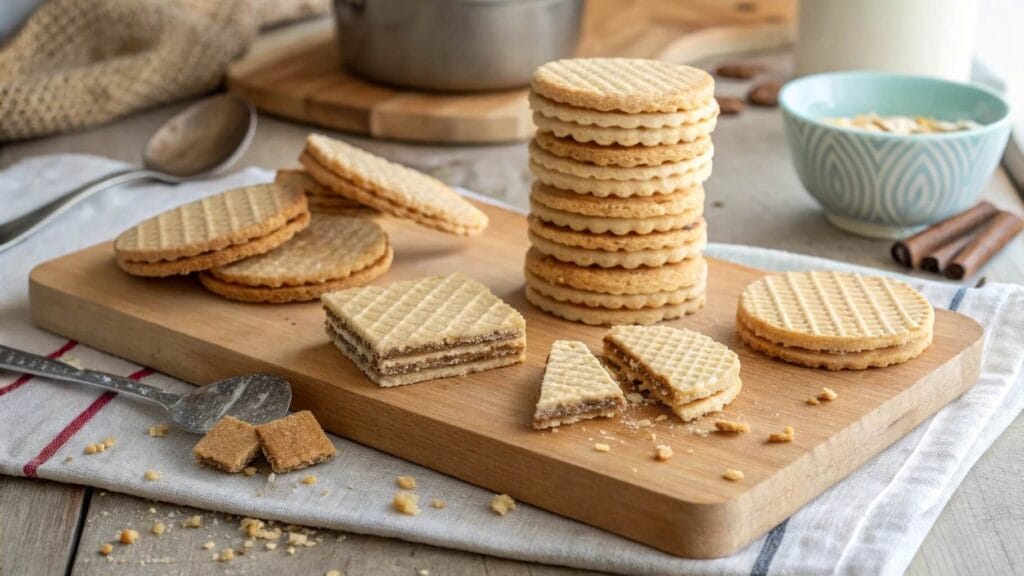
x: 622, y: 149
x: 834, y: 320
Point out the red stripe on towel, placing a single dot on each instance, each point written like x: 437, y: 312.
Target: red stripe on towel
x: 26, y: 377
x: 71, y: 429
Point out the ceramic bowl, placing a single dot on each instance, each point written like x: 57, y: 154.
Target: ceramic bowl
x: 887, y: 185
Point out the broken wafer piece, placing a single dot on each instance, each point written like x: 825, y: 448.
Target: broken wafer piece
x: 229, y: 446
x: 432, y: 327
x: 689, y: 372
x: 294, y: 442
x: 575, y: 387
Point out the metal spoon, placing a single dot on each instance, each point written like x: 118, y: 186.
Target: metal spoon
x: 200, y: 141
x: 255, y: 398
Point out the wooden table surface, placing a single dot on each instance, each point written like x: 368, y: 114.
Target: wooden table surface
x: 753, y: 198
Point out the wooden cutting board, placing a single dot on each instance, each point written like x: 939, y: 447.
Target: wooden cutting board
x: 478, y: 428
x: 294, y: 72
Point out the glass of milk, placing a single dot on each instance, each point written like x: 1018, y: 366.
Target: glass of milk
x: 925, y: 37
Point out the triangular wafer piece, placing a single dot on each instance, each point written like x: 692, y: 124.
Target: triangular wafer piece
x: 422, y: 329
x: 575, y: 387
x: 676, y: 366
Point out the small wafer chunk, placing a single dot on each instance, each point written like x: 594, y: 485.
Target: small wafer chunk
x: 389, y: 187
x: 733, y: 474
x: 407, y: 503
x: 229, y: 446
x: 827, y: 394
x: 575, y: 387
x: 294, y: 442
x: 502, y: 504
x: 662, y: 452
x: 406, y: 482
x: 783, y: 437
x: 731, y: 426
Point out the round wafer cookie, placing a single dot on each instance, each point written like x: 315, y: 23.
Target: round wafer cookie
x: 620, y: 226
x: 331, y: 248
x: 296, y: 293
x: 835, y: 311
x: 564, y: 293
x: 584, y: 170
x: 605, y: 317
x: 667, y: 135
x: 212, y: 223
x: 619, y: 259
x: 626, y: 84
x: 221, y: 257
x: 876, y: 358
x: 623, y: 188
x: 618, y: 155
x: 677, y: 202
x: 694, y: 233
x: 644, y: 280
x: 587, y: 117
x: 389, y: 187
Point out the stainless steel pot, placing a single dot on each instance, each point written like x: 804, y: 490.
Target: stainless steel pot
x: 455, y: 45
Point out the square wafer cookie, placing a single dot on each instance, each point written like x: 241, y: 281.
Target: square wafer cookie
x: 575, y: 387
x: 294, y: 442
x: 389, y: 187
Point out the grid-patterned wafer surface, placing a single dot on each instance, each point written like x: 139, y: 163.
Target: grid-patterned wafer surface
x: 211, y: 223
x: 626, y: 84
x: 394, y: 188
x: 691, y: 364
x: 331, y: 248
x: 573, y: 375
x: 436, y: 311
x: 835, y: 311
x: 616, y: 119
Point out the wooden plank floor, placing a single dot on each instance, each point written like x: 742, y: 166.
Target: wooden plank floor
x: 753, y: 198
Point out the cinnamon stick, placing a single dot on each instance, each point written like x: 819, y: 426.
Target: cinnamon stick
x: 987, y: 243
x: 910, y: 251
x: 937, y: 260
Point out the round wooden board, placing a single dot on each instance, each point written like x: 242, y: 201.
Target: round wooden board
x: 295, y: 71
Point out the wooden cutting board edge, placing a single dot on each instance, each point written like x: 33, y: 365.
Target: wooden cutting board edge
x: 713, y: 529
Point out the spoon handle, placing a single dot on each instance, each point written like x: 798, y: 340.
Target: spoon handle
x: 28, y: 363
x: 22, y: 227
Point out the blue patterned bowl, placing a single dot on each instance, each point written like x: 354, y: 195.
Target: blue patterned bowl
x: 888, y: 185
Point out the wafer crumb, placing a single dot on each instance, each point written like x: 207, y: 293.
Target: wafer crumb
x: 333, y: 573
x: 249, y: 543
x: 422, y: 572
x: 601, y: 447
x: 254, y: 528
x: 406, y: 503
x: 210, y: 545
x: 644, y: 423
x: 406, y: 482
x: 660, y: 418
x: 635, y: 398
x: 158, y: 528
x: 151, y: 475
x: 731, y: 426
x: 96, y: 448
x: 69, y: 459
x: 270, y: 545
x: 250, y: 471
x: 193, y: 522
x: 227, y: 555
x: 438, y: 503
x: 827, y: 394
x: 290, y: 550
x: 502, y: 504
x: 106, y: 549
x: 662, y: 452
x: 733, y: 474
x: 109, y: 441
x: 782, y: 437
x: 813, y: 401
x: 159, y: 430
x: 297, y: 539
x: 128, y: 536
x: 310, y: 479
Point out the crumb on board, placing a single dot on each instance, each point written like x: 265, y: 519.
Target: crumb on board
x: 250, y: 471
x: 786, y: 435
x: 660, y: 418
x: 407, y: 503
x: 158, y: 528
x: 333, y: 573
x: 602, y: 447
x: 662, y: 452
x: 733, y: 474
x: 406, y: 482
x: 193, y: 522
x: 502, y: 504
x: 813, y: 401
x: 255, y: 528
x: 106, y: 549
x: 151, y: 475
x: 731, y: 426
x: 290, y: 550
x: 159, y: 430
x: 423, y: 572
x: 438, y: 503
x: 827, y: 394
x: 210, y: 545
x: 128, y: 536
x: 227, y: 555
x: 309, y: 479
x: 644, y: 423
